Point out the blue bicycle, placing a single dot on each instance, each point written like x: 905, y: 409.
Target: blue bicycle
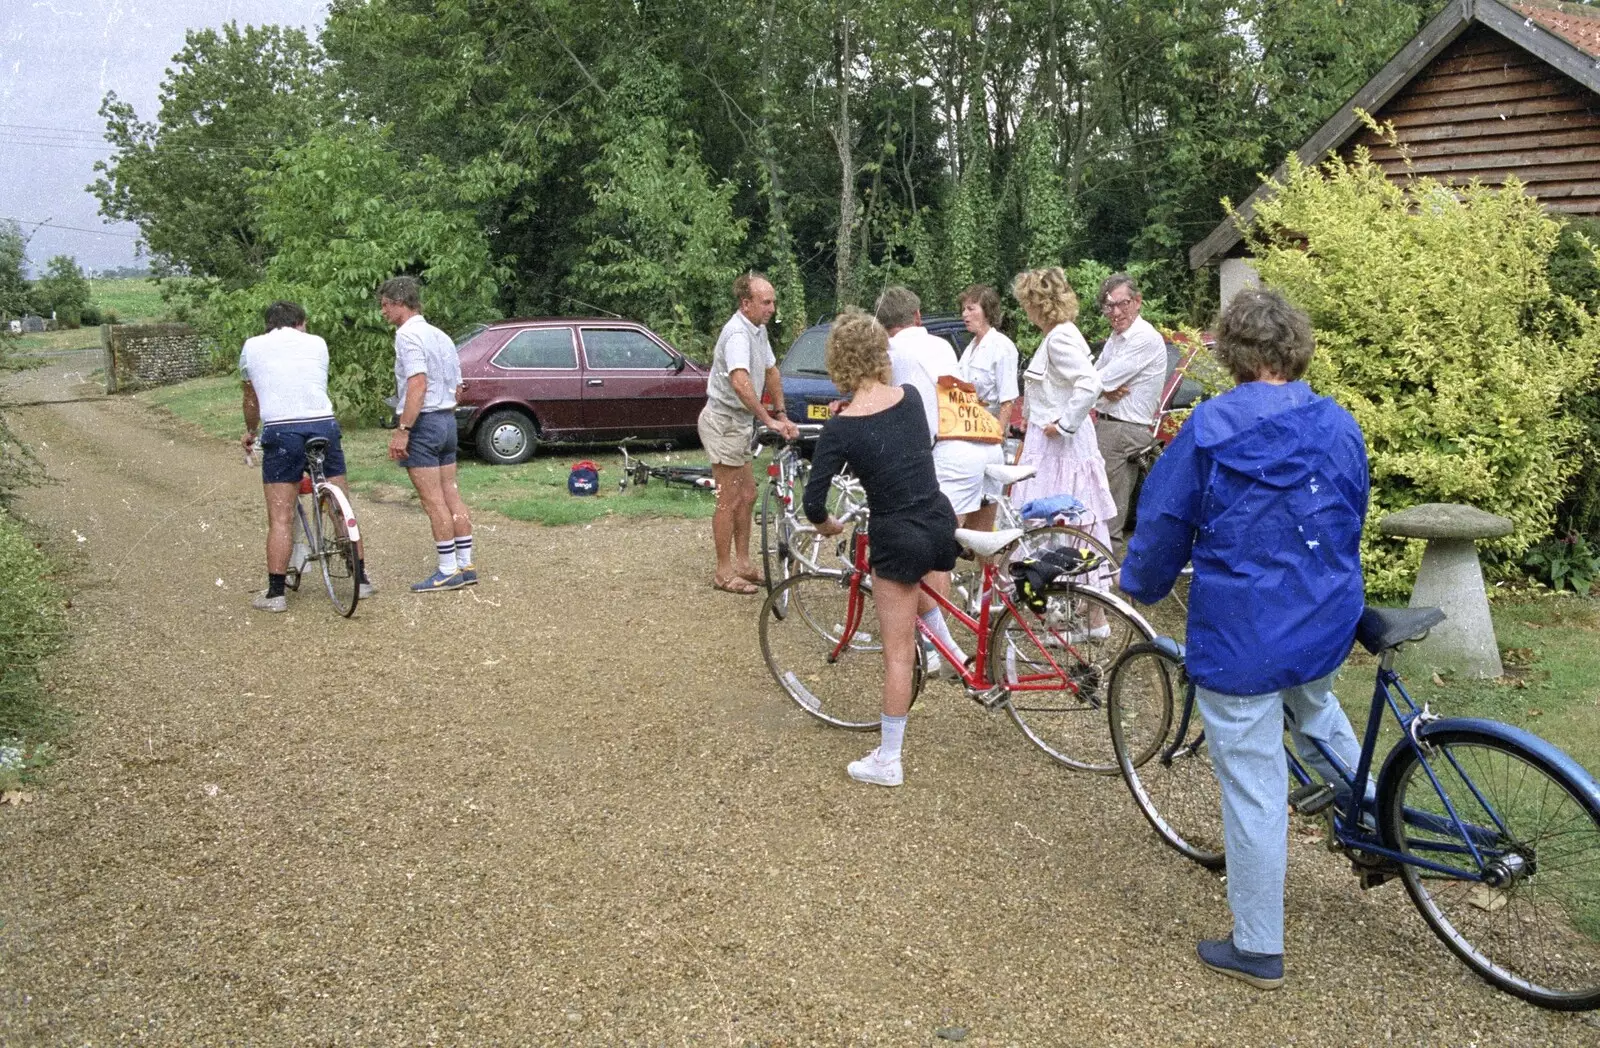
x: 1494, y: 832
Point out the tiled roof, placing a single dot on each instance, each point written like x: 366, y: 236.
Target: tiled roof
x: 1578, y: 26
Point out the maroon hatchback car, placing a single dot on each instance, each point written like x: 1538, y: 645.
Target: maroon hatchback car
x: 527, y: 382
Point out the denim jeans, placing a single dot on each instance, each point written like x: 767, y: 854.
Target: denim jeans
x: 1245, y: 736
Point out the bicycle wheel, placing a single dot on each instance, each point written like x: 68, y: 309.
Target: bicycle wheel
x: 771, y: 529
x: 1056, y: 663
x: 1161, y: 751
x: 300, y: 547
x: 1528, y: 918
x: 341, y: 567
x: 833, y: 672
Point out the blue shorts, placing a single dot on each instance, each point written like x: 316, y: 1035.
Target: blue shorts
x: 432, y: 440
x: 283, y: 450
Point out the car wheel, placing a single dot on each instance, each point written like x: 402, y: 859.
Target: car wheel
x: 506, y: 438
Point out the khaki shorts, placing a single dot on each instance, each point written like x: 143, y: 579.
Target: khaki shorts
x: 725, y: 434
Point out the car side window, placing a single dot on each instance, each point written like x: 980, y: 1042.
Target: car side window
x: 544, y: 348
x: 610, y: 348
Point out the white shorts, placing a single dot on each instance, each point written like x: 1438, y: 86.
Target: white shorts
x: 959, y: 465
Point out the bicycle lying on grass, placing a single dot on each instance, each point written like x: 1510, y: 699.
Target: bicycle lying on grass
x: 1494, y: 832
x: 1043, y: 652
x: 327, y: 534
x: 638, y: 472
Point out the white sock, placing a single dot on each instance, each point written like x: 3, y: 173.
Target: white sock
x: 894, y: 736
x: 464, y: 551
x: 447, y: 556
x: 934, y: 620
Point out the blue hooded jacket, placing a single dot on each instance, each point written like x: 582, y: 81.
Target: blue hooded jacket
x: 1265, y: 489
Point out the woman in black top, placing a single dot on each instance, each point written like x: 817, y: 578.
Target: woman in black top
x: 882, y: 435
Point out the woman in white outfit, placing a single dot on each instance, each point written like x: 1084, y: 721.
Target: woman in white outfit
x: 990, y: 364
x: 1060, y: 386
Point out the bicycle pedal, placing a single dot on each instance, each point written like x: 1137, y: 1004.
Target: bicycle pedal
x: 1370, y: 877
x: 1311, y: 798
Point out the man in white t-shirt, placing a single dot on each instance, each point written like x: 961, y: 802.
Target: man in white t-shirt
x: 919, y: 358
x: 742, y: 368
x: 285, y: 377
x: 1133, y: 368
x: 427, y: 373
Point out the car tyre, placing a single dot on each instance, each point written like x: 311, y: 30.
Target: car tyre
x: 506, y: 438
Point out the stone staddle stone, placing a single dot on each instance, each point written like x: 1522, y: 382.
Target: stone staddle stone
x: 1451, y: 579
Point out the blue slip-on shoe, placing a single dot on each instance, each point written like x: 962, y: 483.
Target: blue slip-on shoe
x: 1264, y: 971
x: 438, y: 582
x: 469, y: 576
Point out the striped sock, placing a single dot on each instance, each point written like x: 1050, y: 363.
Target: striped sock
x: 464, y: 551
x: 447, y: 556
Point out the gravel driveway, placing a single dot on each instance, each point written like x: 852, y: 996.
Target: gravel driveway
x: 570, y: 807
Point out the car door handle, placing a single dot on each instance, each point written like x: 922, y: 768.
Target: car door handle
x: 597, y: 382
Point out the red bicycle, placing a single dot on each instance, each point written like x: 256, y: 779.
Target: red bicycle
x: 1045, y: 645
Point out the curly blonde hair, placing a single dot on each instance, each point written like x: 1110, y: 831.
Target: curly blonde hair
x: 858, y: 349
x: 1046, y: 293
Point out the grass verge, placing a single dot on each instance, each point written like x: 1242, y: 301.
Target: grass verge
x: 536, y: 490
x: 32, y: 628
x: 134, y: 301
x: 1551, y: 649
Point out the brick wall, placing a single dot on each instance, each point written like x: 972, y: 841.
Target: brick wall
x: 142, y: 355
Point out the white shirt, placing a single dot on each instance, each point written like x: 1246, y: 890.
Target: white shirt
x: 1137, y: 358
x: 1062, y: 382
x: 288, y: 369
x: 422, y: 349
x: 990, y: 364
x: 919, y: 359
x: 741, y: 346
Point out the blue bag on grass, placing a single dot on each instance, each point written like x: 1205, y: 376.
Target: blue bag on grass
x: 584, y: 478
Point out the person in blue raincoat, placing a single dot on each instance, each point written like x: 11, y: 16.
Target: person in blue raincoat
x: 1265, y: 490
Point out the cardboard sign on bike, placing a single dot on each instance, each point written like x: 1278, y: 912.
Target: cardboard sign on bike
x: 962, y: 415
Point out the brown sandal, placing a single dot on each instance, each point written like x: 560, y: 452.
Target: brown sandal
x: 754, y: 577
x: 736, y: 584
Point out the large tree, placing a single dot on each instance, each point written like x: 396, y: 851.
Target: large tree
x: 230, y: 102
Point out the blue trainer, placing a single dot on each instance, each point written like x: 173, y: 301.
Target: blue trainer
x: 439, y: 581
x: 469, y: 576
x: 1261, y: 970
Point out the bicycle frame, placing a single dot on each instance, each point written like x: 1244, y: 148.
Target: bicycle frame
x: 1346, y: 830
x: 974, y: 677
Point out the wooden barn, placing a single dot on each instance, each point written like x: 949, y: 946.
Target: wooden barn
x: 1488, y: 89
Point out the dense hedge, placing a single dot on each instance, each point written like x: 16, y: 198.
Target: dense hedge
x: 1437, y: 328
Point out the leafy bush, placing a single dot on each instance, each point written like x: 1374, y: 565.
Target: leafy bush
x: 1564, y: 562
x: 343, y: 214
x: 1437, y: 328
x: 32, y: 627
x: 1575, y: 271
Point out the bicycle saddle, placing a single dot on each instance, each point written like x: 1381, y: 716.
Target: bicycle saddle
x: 316, y: 445
x: 1008, y: 475
x: 987, y: 543
x: 1383, y: 628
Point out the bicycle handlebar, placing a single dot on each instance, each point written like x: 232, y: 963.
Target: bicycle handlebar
x: 767, y: 437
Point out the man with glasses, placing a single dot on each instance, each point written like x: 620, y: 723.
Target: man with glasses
x: 1133, y: 368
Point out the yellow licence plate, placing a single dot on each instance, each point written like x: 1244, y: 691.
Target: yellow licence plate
x: 817, y: 411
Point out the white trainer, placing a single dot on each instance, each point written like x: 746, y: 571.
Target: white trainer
x: 876, y: 770
x: 365, y: 590
x: 262, y: 602
x: 1100, y: 632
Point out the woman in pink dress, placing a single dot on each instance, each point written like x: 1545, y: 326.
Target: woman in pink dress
x: 1059, y: 387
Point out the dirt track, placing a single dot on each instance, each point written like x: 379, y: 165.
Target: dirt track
x: 570, y: 807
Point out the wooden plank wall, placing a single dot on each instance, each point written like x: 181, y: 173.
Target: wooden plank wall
x: 1484, y: 109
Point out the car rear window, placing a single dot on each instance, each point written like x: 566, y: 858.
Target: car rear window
x: 622, y: 349
x: 539, y: 348
x: 807, y: 355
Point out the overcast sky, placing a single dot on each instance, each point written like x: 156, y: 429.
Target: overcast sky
x: 58, y: 58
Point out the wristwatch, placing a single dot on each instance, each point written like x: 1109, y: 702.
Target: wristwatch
x: 402, y: 427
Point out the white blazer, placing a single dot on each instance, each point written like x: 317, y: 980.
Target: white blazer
x: 1061, y: 383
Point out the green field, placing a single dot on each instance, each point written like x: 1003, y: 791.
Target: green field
x: 536, y: 490
x: 133, y: 301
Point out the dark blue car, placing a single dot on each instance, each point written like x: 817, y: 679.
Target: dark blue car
x: 807, y: 390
